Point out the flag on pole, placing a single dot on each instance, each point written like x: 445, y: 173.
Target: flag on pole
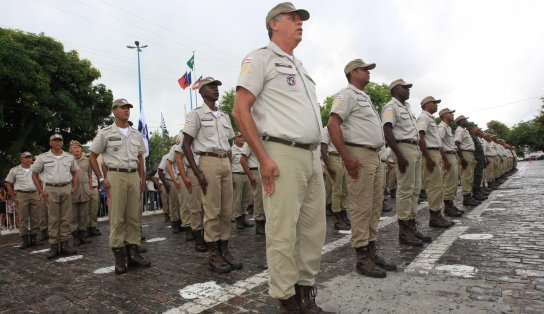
x: 163, y: 126
x: 185, y: 80
x: 191, y: 62
x: 142, y: 127
x: 196, y: 84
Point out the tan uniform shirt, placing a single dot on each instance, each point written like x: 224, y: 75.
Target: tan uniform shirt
x: 171, y: 156
x: 55, y: 169
x: 252, y: 161
x: 492, y: 147
x: 463, y: 136
x: 118, y: 150
x: 286, y: 104
x: 485, y: 145
x: 426, y: 123
x: 83, y: 192
x: 446, y: 137
x: 237, y: 153
x: 325, y: 139
x: 21, y: 178
x: 361, y: 123
x: 401, y: 118
x: 211, y: 134
x: 177, y: 148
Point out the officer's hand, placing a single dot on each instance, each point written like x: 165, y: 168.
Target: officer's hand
x: 332, y: 173
x: 203, y: 182
x: 430, y: 164
x: 269, y: 173
x: 142, y: 185
x: 178, y: 184
x: 106, y: 184
x: 447, y: 165
x: 74, y: 188
x: 44, y: 196
x: 352, y: 166
x: 188, y: 183
x: 253, y: 182
x: 464, y: 163
x: 403, y: 163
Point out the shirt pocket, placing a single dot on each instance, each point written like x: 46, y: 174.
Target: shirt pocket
x: 405, y: 118
x: 66, y: 167
x: 286, y: 78
x: 134, y: 146
x: 114, y: 147
x: 208, y: 128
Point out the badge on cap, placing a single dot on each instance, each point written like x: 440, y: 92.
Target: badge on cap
x: 291, y: 80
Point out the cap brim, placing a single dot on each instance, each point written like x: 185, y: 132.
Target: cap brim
x: 304, y: 15
x: 370, y: 66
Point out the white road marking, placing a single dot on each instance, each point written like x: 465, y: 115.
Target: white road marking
x: 155, y: 240
x: 463, y: 271
x: 69, y: 258
x: 476, y: 236
x: 39, y: 251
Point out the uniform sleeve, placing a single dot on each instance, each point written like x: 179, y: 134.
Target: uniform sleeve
x: 74, y: 166
x: 142, y: 150
x: 172, y: 154
x: 325, y: 139
x: 178, y: 148
x: 422, y: 123
x: 162, y: 165
x: 192, y: 124
x: 99, y: 143
x: 246, y: 150
x: 442, y: 132
x: 37, y: 166
x: 252, y: 73
x: 342, y: 105
x: 458, y: 137
x: 389, y: 115
x: 11, y: 176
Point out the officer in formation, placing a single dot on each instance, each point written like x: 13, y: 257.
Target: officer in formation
x: 92, y: 230
x: 169, y: 176
x: 242, y: 195
x: 465, y: 153
x: 479, y: 156
x: 250, y: 164
x: 81, y: 198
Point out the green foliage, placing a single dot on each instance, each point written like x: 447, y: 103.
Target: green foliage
x: 159, y: 145
x: 379, y: 94
x: 43, y: 89
x: 498, y: 128
x: 326, y: 110
x: 226, y: 102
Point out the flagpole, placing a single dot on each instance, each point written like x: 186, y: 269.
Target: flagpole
x: 194, y: 69
x: 191, y: 97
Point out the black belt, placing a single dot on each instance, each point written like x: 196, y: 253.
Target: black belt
x: 220, y: 155
x: 122, y: 170
x: 334, y: 154
x: 408, y: 142
x: 362, y: 146
x: 57, y: 185
x: 254, y: 168
x: 238, y: 173
x: 451, y: 152
x: 312, y: 146
x: 433, y: 148
x: 467, y: 150
x: 21, y: 191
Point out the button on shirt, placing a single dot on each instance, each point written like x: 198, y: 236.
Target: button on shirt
x: 21, y: 178
x: 401, y: 118
x: 55, y: 169
x: 211, y: 133
x: 286, y: 104
x: 463, y: 136
x: 252, y: 161
x: 237, y: 153
x: 361, y: 123
x: 446, y: 137
x: 425, y: 122
x: 325, y: 139
x: 118, y: 150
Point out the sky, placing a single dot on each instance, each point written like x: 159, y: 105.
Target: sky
x: 483, y: 59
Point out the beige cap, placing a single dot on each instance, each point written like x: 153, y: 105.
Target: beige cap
x: 209, y: 80
x: 25, y: 154
x: 75, y: 143
x: 398, y: 82
x: 286, y: 7
x: 55, y: 136
x: 358, y: 63
x: 444, y: 111
x: 461, y: 117
x: 429, y: 99
x: 120, y: 103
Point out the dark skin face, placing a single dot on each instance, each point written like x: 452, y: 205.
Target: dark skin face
x: 401, y: 93
x: 430, y: 107
x: 447, y: 117
x: 56, y: 144
x: 239, y: 141
x: 463, y: 123
x: 210, y: 93
x: 121, y: 113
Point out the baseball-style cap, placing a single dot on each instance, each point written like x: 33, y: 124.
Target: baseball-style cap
x: 358, y: 63
x: 471, y: 125
x: 461, y: 117
x: 398, y: 82
x: 286, y: 7
x: 25, y: 154
x: 429, y: 99
x: 120, y: 103
x: 209, y: 80
x: 55, y: 136
x: 444, y: 111
x: 75, y: 143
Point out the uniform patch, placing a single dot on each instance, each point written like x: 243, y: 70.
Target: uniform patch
x: 278, y: 64
x: 187, y: 121
x: 291, y: 80
x: 337, y: 100
x: 115, y: 149
x: 114, y: 138
x: 245, y: 69
x: 206, y: 119
x: 247, y: 61
x: 388, y: 113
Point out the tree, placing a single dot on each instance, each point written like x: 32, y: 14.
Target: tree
x: 226, y: 103
x: 498, y: 128
x: 159, y: 145
x: 326, y: 110
x: 44, y: 89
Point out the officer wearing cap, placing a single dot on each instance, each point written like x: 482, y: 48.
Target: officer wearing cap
x: 172, y: 186
x: 479, y: 156
x: 57, y: 170
x: 465, y: 153
x: 490, y: 155
x: 122, y: 148
x: 450, y: 173
x: 277, y: 110
x: 356, y: 131
x: 23, y: 192
x: 434, y: 159
x: 81, y: 198
x: 401, y: 134
x: 250, y: 164
x: 206, y: 132
x: 242, y: 194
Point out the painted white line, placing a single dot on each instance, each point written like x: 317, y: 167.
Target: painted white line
x: 69, y: 258
x: 105, y: 270
x: 463, y: 271
x: 145, y: 226
x: 476, y: 236
x: 145, y: 213
x: 39, y: 251
x: 155, y: 240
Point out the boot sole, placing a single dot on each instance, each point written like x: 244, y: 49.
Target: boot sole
x: 366, y: 274
x: 416, y: 244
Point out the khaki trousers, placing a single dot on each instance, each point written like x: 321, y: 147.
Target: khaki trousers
x: 433, y: 181
x: 29, y: 207
x: 409, y: 182
x: 217, y: 202
x: 295, y: 219
x: 124, y: 208
x: 339, y: 193
x: 257, y: 192
x: 391, y: 176
x: 450, y: 178
x: 365, y: 196
x: 195, y: 204
x: 173, y: 201
x: 184, y: 203
x: 328, y: 188
x: 242, y: 194
x: 490, y: 169
x: 93, y: 207
x: 467, y: 174
x: 80, y: 216
x: 164, y: 199
x: 44, y: 221
x: 59, y: 211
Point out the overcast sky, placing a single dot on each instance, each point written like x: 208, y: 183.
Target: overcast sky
x: 482, y: 58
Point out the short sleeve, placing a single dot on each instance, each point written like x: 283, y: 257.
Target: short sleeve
x: 325, y: 139
x: 252, y: 74
x: 192, y: 124
x: 422, y: 123
x: 37, y: 166
x: 74, y: 166
x: 342, y: 106
x: 11, y: 175
x: 246, y: 150
x: 99, y: 143
x: 442, y: 132
x: 231, y: 130
x: 178, y: 148
x: 162, y: 165
x: 171, y: 154
x: 389, y: 115
x: 458, y: 135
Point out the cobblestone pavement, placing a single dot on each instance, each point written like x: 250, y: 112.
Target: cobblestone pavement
x: 492, y: 260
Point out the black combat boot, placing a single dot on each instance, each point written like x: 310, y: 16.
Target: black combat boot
x: 345, y: 217
x: 200, y: 244
x: 44, y: 235
x: 393, y: 193
x: 417, y: 234
x: 365, y: 265
x: 66, y: 248
x: 134, y: 258
x: 166, y: 217
x: 33, y: 240
x: 189, y: 236
x: 120, y: 259
x: 216, y: 261
x: 26, y: 242
x: 305, y: 297
x: 240, y: 223
x: 289, y: 306
x: 450, y: 210
x: 77, y: 241
x: 82, y: 238
x: 94, y: 232
x: 225, y: 253
x: 328, y: 209
x: 340, y: 224
x: 436, y: 220
x: 260, y: 227
x: 176, y: 225
x: 386, y: 208
x: 53, y: 251
x: 469, y: 201
x: 406, y: 236
x: 377, y: 259
x: 246, y: 222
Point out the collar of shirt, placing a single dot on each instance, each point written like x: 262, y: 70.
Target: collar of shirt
x: 272, y: 46
x: 208, y: 110
x: 428, y: 114
x: 50, y: 154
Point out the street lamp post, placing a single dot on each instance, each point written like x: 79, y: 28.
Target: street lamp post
x: 138, y: 49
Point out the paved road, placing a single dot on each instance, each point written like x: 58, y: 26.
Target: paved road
x: 491, y: 261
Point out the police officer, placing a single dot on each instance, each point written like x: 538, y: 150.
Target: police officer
x: 276, y: 103
x: 122, y: 148
x: 81, y: 198
x: 208, y: 130
x: 251, y: 168
x: 356, y: 131
x: 58, y: 171
x: 242, y: 194
x: 465, y: 153
x: 92, y: 230
x: 451, y: 173
x: 171, y: 187
x: 399, y: 126
x: 434, y: 159
x: 23, y: 192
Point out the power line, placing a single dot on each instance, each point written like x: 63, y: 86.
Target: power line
x: 503, y: 105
